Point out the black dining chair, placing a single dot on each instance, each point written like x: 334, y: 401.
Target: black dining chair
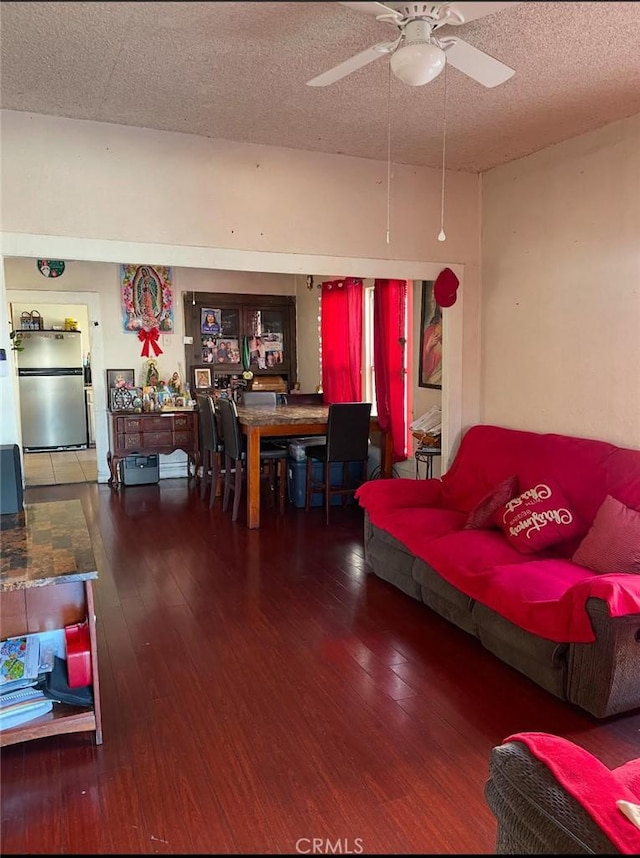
x: 347, y: 442
x: 235, y: 458
x: 268, y: 399
x: 211, y: 446
x: 303, y: 399
x: 259, y: 397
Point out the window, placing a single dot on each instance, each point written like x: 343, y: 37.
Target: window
x: 368, y: 369
x: 368, y: 364
x: 395, y: 347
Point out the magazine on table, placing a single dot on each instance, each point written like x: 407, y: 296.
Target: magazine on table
x: 430, y: 421
x: 19, y: 659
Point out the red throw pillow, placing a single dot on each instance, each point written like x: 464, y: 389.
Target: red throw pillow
x: 538, y: 518
x: 613, y: 542
x: 482, y: 516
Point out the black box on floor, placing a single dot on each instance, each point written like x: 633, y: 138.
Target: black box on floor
x: 140, y: 470
x: 10, y: 479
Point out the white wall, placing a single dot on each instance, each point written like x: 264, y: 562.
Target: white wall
x: 561, y: 288
x: 132, y: 194
x: 95, y: 180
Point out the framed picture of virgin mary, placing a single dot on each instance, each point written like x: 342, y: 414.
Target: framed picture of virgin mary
x: 430, y: 371
x: 147, y: 297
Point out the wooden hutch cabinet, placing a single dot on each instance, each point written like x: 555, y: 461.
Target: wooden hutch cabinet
x: 233, y: 332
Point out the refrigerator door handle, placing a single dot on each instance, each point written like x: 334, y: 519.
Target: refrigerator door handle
x: 48, y: 372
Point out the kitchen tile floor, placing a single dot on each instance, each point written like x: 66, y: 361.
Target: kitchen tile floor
x: 67, y: 466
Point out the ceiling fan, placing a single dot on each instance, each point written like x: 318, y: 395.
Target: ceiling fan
x: 418, y: 53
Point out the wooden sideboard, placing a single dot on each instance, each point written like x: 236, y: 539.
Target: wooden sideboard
x: 152, y: 432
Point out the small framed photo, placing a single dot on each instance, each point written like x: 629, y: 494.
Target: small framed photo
x: 202, y: 378
x: 210, y: 321
x: 120, y: 378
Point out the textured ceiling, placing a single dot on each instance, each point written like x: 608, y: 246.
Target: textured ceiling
x: 238, y: 71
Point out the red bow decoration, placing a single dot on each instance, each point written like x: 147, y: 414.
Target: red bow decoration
x: 149, y: 338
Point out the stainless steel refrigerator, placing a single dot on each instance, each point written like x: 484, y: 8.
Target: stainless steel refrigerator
x: 51, y: 383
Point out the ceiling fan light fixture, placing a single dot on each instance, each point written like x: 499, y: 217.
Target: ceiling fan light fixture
x: 417, y: 63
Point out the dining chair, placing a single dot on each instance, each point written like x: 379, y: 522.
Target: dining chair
x: 211, y: 446
x: 259, y: 397
x: 347, y: 441
x: 268, y: 399
x: 304, y: 399
x: 235, y: 458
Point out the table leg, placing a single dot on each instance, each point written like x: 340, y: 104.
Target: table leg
x: 386, y: 464
x: 112, y: 462
x: 253, y: 477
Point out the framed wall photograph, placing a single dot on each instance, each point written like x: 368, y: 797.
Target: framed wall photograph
x: 430, y: 369
x: 202, y: 378
x: 210, y: 322
x: 120, y: 378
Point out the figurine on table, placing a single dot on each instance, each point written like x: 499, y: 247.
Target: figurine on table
x: 152, y: 375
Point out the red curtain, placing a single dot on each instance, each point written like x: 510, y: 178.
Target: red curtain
x: 389, y: 311
x: 341, y: 332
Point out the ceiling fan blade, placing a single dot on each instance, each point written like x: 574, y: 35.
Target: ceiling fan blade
x: 377, y: 9
x: 353, y: 64
x: 472, y: 11
x: 475, y: 63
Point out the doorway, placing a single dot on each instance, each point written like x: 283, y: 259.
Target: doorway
x: 58, y: 467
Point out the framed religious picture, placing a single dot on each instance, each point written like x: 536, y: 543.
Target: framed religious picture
x: 430, y: 370
x: 120, y: 378
x: 147, y: 298
x: 202, y: 378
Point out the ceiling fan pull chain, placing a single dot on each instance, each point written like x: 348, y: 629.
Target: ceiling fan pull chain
x: 389, y: 157
x: 441, y: 234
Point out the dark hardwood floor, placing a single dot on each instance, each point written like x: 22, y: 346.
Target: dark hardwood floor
x: 262, y: 693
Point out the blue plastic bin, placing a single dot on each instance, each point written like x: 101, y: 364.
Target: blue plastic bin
x: 297, y: 482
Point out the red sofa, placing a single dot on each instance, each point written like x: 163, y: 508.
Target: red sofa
x: 494, y: 547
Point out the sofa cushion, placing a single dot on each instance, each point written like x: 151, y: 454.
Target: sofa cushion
x: 417, y: 527
x: 534, y: 595
x: 613, y: 542
x: 483, y: 514
x: 463, y: 556
x: 548, y: 597
x: 538, y: 518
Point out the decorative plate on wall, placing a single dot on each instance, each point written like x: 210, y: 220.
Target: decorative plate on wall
x: 51, y: 267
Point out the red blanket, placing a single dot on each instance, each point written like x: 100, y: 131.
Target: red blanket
x: 591, y: 783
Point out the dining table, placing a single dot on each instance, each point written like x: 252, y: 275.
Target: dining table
x: 291, y: 421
